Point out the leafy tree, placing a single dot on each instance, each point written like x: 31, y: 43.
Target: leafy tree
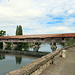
x: 19, y: 30
x: 2, y: 33
x: 71, y: 42
x: 21, y: 45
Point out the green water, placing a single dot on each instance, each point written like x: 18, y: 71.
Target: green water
x: 12, y: 62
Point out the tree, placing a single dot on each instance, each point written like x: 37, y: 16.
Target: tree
x: 71, y: 42
x: 2, y: 33
x: 21, y: 45
x: 19, y: 30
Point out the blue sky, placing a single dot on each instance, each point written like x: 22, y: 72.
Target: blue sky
x: 37, y: 16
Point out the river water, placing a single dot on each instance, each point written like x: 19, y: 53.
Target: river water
x: 12, y: 62
x: 9, y: 62
x: 46, y: 47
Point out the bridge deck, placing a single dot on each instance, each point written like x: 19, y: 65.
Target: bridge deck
x: 65, y: 66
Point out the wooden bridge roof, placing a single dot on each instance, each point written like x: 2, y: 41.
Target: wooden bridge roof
x: 39, y: 36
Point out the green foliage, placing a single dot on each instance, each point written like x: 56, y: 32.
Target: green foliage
x: 18, y: 60
x: 21, y: 45
x: 1, y: 45
x: 19, y: 30
x: 71, y: 42
x: 2, y: 57
x: 8, y: 46
x: 2, y: 33
x: 62, y: 44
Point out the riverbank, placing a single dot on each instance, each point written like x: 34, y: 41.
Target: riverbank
x: 65, y: 66
x: 40, y: 64
x: 28, y: 53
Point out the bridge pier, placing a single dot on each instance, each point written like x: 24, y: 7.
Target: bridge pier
x: 35, y: 47
x: 13, y: 46
x: 53, y: 46
x: 65, y: 44
x: 4, y: 45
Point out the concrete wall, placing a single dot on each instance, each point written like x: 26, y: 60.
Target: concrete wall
x: 39, y: 65
x: 29, y: 53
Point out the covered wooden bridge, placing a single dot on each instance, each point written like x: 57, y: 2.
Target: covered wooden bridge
x: 64, y: 37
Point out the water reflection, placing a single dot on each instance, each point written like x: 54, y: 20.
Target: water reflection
x: 1, y: 45
x: 21, y: 46
x: 13, y: 62
x: 18, y: 59
x: 44, y: 47
x: 53, y: 46
x: 2, y: 56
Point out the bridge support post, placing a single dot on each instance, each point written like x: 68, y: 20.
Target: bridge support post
x: 35, y: 47
x: 65, y: 44
x: 4, y: 45
x: 13, y: 46
x: 53, y: 46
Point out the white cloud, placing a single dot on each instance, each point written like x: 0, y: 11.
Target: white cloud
x: 49, y: 30
x: 34, y: 14
x: 70, y: 11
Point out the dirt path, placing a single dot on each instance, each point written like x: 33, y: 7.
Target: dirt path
x: 65, y: 66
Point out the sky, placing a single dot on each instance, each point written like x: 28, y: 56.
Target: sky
x: 37, y: 16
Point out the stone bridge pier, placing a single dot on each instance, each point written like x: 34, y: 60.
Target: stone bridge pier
x: 13, y: 46
x: 35, y: 47
x: 54, y: 47
x: 4, y: 45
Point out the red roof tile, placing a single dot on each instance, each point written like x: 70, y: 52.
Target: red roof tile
x: 39, y: 36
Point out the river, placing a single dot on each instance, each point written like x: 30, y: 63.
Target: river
x: 46, y: 47
x: 12, y: 62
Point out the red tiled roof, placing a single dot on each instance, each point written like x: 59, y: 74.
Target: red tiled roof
x: 39, y: 36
